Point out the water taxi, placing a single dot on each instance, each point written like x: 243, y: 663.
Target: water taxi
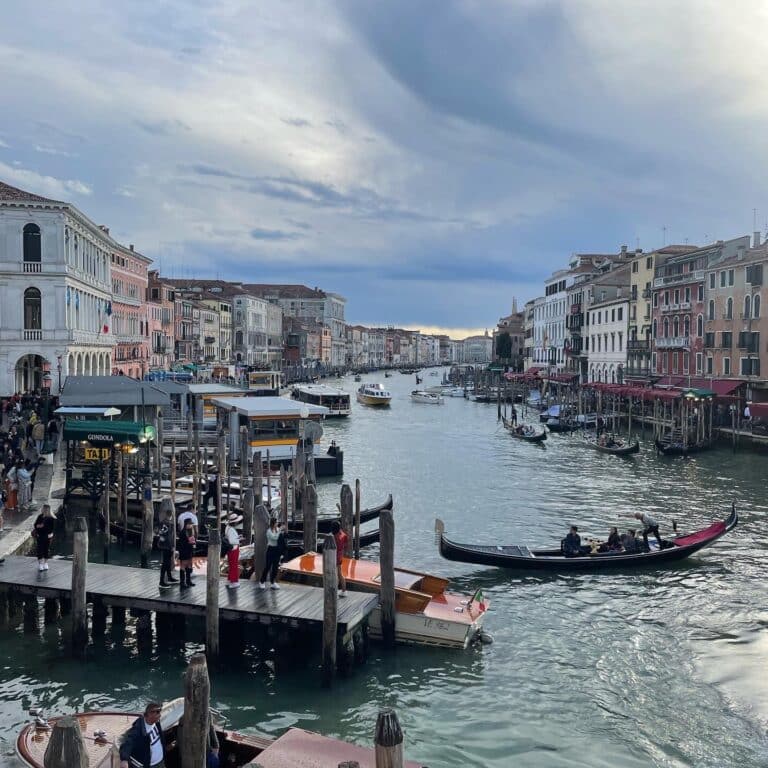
x: 373, y: 394
x: 423, y: 396
x: 425, y: 613
x: 334, y: 399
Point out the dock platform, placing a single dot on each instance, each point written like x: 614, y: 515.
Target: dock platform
x: 292, y: 605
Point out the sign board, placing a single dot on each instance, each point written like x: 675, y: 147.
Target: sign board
x: 97, y: 454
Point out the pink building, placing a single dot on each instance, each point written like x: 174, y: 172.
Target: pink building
x: 130, y: 313
x: 161, y: 297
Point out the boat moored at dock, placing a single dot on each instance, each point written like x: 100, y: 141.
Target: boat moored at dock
x: 423, y: 396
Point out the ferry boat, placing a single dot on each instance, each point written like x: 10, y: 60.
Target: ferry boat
x: 373, y: 394
x: 335, y: 400
x: 425, y: 613
x: 423, y: 396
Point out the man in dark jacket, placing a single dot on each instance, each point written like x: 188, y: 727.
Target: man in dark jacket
x: 142, y: 745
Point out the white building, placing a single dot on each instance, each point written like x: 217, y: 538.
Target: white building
x: 608, y: 326
x: 476, y: 349
x: 55, y: 293
x: 250, y: 322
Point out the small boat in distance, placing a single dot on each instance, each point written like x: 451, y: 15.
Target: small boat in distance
x: 521, y: 557
x: 527, y: 432
x: 373, y: 394
x: 422, y: 396
x: 425, y: 613
x: 614, y: 445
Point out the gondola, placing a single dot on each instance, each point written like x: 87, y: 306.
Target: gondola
x: 533, y: 436
x: 623, y: 449
x: 678, y: 449
x: 524, y: 559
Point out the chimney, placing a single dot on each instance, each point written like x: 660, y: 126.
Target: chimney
x: 756, y: 239
x: 130, y: 246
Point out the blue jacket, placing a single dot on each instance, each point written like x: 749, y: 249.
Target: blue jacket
x: 134, y: 746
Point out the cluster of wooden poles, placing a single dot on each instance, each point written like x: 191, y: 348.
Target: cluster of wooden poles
x: 66, y: 748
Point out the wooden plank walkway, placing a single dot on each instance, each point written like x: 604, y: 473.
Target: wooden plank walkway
x: 293, y: 605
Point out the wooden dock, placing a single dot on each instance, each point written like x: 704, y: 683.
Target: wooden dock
x: 292, y: 605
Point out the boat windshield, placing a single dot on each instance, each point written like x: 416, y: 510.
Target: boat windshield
x: 403, y: 580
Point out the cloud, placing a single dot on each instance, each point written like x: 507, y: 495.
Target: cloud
x: 39, y: 184
x: 296, y: 122
x: 273, y: 234
x: 52, y: 151
x: 162, y: 127
x: 3, y: 145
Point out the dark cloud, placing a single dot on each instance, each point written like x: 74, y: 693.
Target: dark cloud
x: 275, y: 235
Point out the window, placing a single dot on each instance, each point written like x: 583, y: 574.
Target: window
x: 700, y: 326
x: 621, y: 313
x: 655, y: 300
x: 756, y: 306
x: 676, y: 327
x: 701, y: 292
x: 649, y: 262
x: 687, y: 326
x: 666, y: 297
x: 33, y: 318
x: 712, y: 280
x: 709, y: 339
x: 31, y: 245
x: 653, y: 329
x: 747, y: 306
x: 726, y: 366
x: 613, y: 315
x: 685, y: 362
x: 750, y: 366
x: 726, y: 339
x: 711, y: 313
x: 729, y: 309
x: 730, y: 277
x: 666, y: 327
x: 709, y: 366
x: 755, y: 274
x: 699, y: 357
x: 677, y: 295
x: 634, y: 266
x: 722, y: 279
x: 674, y: 362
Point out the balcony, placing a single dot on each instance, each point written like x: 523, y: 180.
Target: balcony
x: 637, y: 373
x: 669, y: 308
x: 685, y: 305
x: 638, y: 345
x: 32, y: 267
x: 33, y: 334
x: 686, y: 277
x: 210, y: 339
x: 673, y: 341
x: 646, y: 294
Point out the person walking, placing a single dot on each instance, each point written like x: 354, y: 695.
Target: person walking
x: 11, y: 489
x: 341, y: 545
x: 43, y: 533
x: 649, y: 526
x: 273, y: 555
x: 166, y: 543
x: 24, y: 482
x: 38, y: 435
x: 143, y: 744
x: 53, y: 434
x: 232, y: 540
x: 186, y: 546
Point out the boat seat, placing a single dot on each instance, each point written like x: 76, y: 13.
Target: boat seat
x: 515, y: 550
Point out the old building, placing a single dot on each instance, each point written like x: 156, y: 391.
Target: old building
x: 509, y: 338
x: 608, y: 308
x: 160, y: 310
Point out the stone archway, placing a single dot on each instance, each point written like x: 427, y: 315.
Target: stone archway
x: 29, y: 373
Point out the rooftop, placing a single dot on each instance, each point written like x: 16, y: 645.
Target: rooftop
x: 14, y: 194
x: 110, y: 391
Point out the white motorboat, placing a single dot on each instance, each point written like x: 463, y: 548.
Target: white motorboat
x: 373, y: 394
x: 423, y: 396
x: 453, y: 391
x: 334, y: 399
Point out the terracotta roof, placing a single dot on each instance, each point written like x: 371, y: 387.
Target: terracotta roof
x: 14, y: 194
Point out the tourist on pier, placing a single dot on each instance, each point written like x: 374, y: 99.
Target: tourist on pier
x: 53, y: 434
x: 211, y: 489
x: 142, y: 745
x: 273, y: 555
x: 188, y: 515
x: 43, y: 533
x: 186, y: 546
x: 649, y: 526
x: 11, y: 488
x: 341, y: 546
x: 24, y: 482
x: 166, y: 543
x: 233, y: 552
x: 572, y: 543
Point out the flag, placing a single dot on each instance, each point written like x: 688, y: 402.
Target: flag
x: 480, y: 598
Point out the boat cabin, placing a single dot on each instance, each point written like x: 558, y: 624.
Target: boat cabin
x: 264, y: 383
x: 274, y: 424
x: 335, y: 400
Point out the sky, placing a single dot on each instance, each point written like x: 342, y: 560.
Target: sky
x: 427, y: 160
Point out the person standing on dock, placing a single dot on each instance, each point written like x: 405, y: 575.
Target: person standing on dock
x: 43, y: 533
x: 143, y: 746
x: 186, y: 546
x: 273, y: 555
x: 341, y: 544
x: 166, y: 543
x: 210, y: 489
x: 233, y: 551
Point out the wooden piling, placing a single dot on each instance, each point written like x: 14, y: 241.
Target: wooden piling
x: 258, y: 480
x: 124, y: 497
x: 347, y: 516
x: 357, y: 519
x: 388, y: 740
x: 197, y: 714
x: 147, y: 522
x: 212, y: 593
x: 330, y: 609
x: 99, y: 613
x: 309, y: 503
x: 31, y: 612
x: 248, y: 507
x: 387, y: 579
x: 269, y: 482
x: 190, y: 427
x: 79, y: 568
x: 221, y: 450
x: 159, y: 452
x: 260, y: 525
x: 283, y: 516
x: 66, y: 747
x: 105, y: 510
x: 173, y: 473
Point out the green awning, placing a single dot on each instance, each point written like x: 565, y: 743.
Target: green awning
x: 698, y: 392
x: 106, y: 433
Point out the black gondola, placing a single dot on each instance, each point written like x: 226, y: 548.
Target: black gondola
x: 533, y: 436
x: 625, y: 449
x: 523, y: 558
x: 678, y: 449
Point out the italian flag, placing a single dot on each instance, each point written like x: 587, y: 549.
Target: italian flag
x: 480, y: 598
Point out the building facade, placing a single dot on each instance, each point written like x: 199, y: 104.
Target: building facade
x: 160, y: 310
x: 130, y: 312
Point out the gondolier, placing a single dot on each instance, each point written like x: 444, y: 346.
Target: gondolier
x: 142, y: 745
x: 649, y: 526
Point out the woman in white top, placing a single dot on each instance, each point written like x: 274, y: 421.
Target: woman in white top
x: 233, y: 551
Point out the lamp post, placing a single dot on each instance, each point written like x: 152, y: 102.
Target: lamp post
x: 58, y: 369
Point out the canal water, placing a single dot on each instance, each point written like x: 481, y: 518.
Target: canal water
x: 656, y: 668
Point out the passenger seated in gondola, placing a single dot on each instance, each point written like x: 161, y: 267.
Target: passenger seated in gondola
x: 630, y: 543
x: 571, y: 544
x: 613, y: 544
x: 602, y: 441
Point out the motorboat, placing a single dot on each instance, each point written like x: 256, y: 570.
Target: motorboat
x: 451, y: 391
x: 423, y: 396
x: 336, y: 400
x: 373, y: 394
x: 425, y: 612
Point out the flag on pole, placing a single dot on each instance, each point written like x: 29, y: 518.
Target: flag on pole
x: 480, y: 599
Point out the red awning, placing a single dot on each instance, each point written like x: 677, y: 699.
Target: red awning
x: 759, y: 411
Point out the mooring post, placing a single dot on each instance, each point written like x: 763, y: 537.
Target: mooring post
x: 119, y: 491
x: 330, y: 608
x: 190, y: 426
x: 283, y: 496
x: 258, y: 481
x: 212, y: 593
x: 309, y: 530
x: 66, y: 748
x: 269, y: 482
x: 388, y: 740
x: 173, y: 472
x: 196, y: 475
x: 244, y: 450
x: 79, y: 569
x: 105, y: 505
x: 248, y: 507
x: 260, y: 525
x: 345, y: 507
x: 387, y: 571
x: 124, y: 498
x: 357, y: 519
x: 197, y: 714
x: 147, y: 521
x: 159, y: 452
x: 221, y: 450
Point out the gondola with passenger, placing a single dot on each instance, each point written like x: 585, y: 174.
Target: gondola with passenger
x: 527, y: 432
x: 613, y: 445
x: 523, y: 558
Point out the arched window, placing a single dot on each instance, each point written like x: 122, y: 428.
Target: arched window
x: 666, y: 327
x: 729, y: 309
x: 756, y: 306
x: 239, y: 338
x: 33, y: 317
x: 747, y: 306
x: 31, y: 242
x: 676, y: 327
x: 687, y: 326
x: 700, y: 325
x: 711, y: 313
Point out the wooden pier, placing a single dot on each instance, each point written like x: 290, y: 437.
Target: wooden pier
x: 292, y: 605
